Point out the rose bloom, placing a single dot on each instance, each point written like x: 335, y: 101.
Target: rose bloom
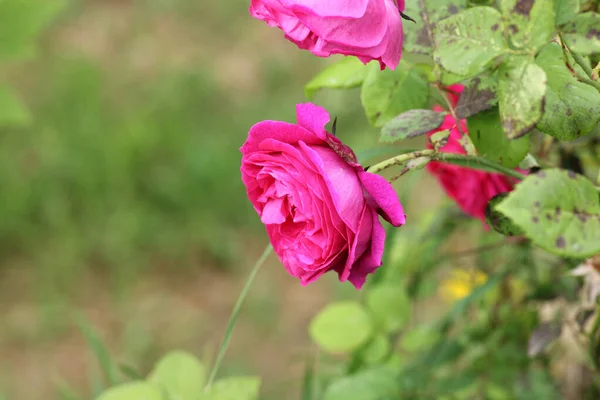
x: 320, y: 208
x: 471, y: 189
x: 368, y: 29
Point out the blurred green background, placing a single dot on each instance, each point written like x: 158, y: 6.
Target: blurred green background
x: 121, y: 197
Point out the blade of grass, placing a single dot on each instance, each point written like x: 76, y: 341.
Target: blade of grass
x: 234, y: 315
x: 107, y: 365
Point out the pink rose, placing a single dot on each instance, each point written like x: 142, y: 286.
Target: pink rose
x: 368, y: 29
x: 319, y: 206
x: 471, y: 189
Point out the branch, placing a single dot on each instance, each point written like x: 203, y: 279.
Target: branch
x: 461, y: 159
x: 581, y: 61
x: 474, y: 162
x: 400, y: 159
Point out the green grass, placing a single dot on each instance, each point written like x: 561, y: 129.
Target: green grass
x: 124, y: 171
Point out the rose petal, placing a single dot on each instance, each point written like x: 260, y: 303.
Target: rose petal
x: 313, y: 118
x: 273, y: 212
x: 359, y: 243
x: 340, y: 178
x: 277, y: 131
x: 371, y: 259
x: 330, y: 8
x: 384, y: 196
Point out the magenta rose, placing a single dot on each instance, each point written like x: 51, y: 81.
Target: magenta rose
x: 320, y: 207
x: 368, y: 29
x: 470, y: 189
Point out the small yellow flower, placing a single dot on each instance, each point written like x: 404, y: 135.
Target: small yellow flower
x: 460, y: 284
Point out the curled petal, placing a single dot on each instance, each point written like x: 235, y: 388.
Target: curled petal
x: 372, y: 258
x: 384, y: 198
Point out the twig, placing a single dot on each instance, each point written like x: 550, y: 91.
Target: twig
x: 450, y: 157
x: 581, y: 62
x: 400, y: 159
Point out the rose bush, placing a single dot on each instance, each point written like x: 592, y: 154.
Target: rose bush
x: 320, y: 207
x: 471, y: 189
x: 368, y: 29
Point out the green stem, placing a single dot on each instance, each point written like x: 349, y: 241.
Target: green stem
x: 234, y: 316
x: 586, y: 68
x: 475, y: 161
x: 578, y: 58
x: 589, y: 82
x: 400, y: 159
x: 452, y: 158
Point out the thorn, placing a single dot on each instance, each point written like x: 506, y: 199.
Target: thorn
x: 334, y: 127
x: 367, y: 168
x: 404, y: 16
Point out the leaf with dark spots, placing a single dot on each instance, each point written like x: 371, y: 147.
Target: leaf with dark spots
x: 524, y: 7
x: 465, y: 43
x: 418, y: 38
x: 583, y: 33
x: 410, y: 124
x: 521, y: 89
x: 497, y: 220
x: 572, y: 107
x: 531, y: 22
x: 566, y: 210
x: 593, y: 33
x: 479, y: 95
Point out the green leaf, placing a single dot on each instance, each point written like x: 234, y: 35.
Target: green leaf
x: 376, y: 350
x: 478, y: 95
x: 347, y: 73
x: 108, y: 366
x: 498, y: 221
x: 485, y: 130
x: 374, y: 384
x: 521, y: 89
x: 12, y: 111
x: 390, y: 305
x: 237, y: 388
x: 418, y: 38
x: 180, y: 375
x: 410, y: 124
x: 530, y: 23
x: 341, y: 327
x: 466, y: 43
x: 558, y: 210
x: 21, y: 21
x: 421, y: 337
x: 132, y: 391
x: 439, y: 139
x: 572, y: 107
x: 582, y: 34
x: 385, y: 94
x: 565, y: 10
